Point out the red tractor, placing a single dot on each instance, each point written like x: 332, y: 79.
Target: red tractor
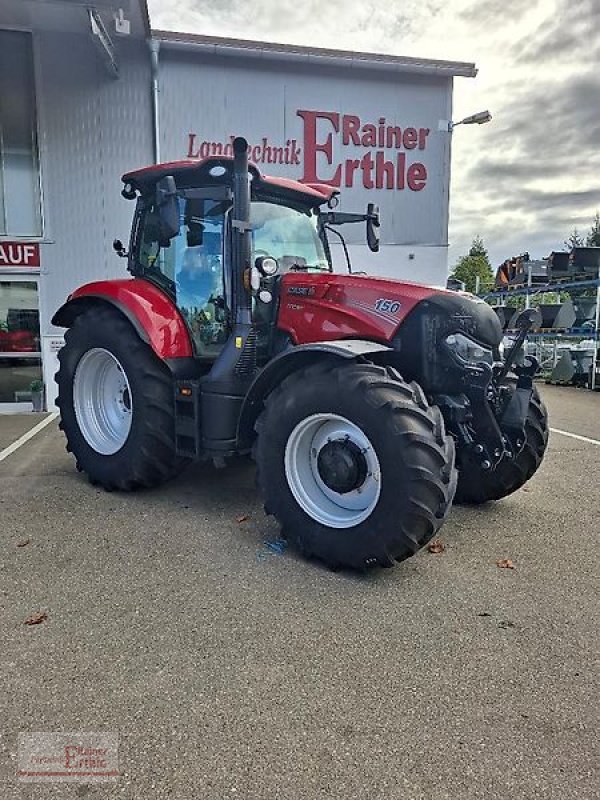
x: 367, y: 403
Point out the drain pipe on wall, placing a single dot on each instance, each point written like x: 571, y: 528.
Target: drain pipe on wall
x: 154, y: 48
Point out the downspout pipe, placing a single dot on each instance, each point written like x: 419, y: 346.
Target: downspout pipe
x: 154, y: 45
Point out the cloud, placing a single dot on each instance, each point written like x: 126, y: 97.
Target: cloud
x: 564, y: 35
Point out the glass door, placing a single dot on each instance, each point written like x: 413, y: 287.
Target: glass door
x: 20, y: 348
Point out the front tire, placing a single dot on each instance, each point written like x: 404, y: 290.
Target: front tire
x: 354, y: 464
x: 116, y: 403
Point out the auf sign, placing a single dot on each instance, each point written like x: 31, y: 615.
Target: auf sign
x: 19, y: 254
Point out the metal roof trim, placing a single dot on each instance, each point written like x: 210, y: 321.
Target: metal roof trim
x: 242, y: 48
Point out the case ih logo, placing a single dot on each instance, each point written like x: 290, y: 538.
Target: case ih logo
x: 383, y: 162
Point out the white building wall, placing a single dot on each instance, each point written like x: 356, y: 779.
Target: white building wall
x: 204, y: 101
x: 92, y: 129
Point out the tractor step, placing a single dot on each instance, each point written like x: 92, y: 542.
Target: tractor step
x: 188, y: 438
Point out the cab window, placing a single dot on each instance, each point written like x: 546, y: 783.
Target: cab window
x: 190, y: 267
x: 288, y: 235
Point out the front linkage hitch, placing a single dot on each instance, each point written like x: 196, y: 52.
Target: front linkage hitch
x: 488, y: 420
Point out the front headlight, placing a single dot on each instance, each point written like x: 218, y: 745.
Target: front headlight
x: 467, y: 350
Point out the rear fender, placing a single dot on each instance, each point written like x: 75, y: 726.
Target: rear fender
x: 150, y: 311
x: 293, y: 359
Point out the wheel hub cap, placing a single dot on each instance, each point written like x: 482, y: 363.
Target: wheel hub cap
x: 342, y: 465
x: 332, y: 470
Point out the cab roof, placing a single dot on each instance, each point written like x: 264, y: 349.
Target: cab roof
x: 194, y: 173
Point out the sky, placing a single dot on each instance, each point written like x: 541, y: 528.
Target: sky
x: 523, y: 181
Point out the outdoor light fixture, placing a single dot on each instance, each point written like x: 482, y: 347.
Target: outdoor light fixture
x: 475, y: 119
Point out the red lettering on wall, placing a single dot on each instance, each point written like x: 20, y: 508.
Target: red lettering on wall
x: 352, y: 164
x: 400, y: 184
x: 416, y: 176
x: 350, y: 126
x: 367, y: 166
x: 311, y: 147
x: 192, y: 152
x: 376, y: 154
x: 383, y: 167
x: 409, y: 140
x: 423, y: 134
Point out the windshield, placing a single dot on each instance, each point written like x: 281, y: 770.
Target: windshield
x: 288, y: 235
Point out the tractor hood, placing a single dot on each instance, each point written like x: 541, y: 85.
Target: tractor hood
x: 319, y: 307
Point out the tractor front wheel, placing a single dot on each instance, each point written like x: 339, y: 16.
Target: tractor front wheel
x: 354, y: 464
x: 116, y: 403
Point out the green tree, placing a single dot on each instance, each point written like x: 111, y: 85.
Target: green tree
x: 574, y: 240
x: 476, y: 264
x: 593, y: 237
x: 478, y: 248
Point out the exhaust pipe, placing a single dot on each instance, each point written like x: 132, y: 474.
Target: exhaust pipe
x: 241, y: 230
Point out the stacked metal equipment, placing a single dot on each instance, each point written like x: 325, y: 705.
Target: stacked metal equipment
x: 566, y: 343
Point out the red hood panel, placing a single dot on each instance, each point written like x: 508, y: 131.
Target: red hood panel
x: 320, y: 307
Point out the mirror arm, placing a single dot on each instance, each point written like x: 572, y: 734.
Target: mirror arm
x: 343, y: 241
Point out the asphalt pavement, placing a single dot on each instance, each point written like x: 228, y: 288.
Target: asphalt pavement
x: 231, y: 668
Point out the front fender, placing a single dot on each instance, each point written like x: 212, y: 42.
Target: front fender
x: 152, y: 313
x: 289, y: 361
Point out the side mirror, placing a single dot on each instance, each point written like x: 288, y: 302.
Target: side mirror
x: 373, y: 227
x: 167, y: 206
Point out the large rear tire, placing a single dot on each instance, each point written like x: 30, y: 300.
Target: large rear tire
x: 354, y: 464
x: 477, y: 486
x: 116, y: 403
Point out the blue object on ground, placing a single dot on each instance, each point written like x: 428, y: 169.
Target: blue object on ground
x: 273, y: 547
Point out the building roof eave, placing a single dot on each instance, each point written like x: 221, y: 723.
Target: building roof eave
x: 314, y: 56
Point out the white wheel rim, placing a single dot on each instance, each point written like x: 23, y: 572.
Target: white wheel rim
x: 102, y: 401
x: 313, y: 495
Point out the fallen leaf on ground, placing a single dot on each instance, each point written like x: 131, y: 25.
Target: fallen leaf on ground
x: 525, y: 489
x: 505, y: 563
x: 35, y: 619
x: 436, y: 547
x: 23, y: 543
x: 243, y: 518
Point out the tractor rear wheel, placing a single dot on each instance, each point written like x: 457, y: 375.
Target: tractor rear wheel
x: 354, y: 464
x: 116, y: 403
x: 477, y: 486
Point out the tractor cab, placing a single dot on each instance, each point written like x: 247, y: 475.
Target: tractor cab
x: 183, y: 241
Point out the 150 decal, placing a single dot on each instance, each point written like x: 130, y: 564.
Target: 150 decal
x: 389, y: 306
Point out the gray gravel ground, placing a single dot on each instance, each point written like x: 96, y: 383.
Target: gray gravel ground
x: 229, y: 671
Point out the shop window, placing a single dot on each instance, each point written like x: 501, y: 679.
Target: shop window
x: 20, y: 356
x: 19, y: 167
